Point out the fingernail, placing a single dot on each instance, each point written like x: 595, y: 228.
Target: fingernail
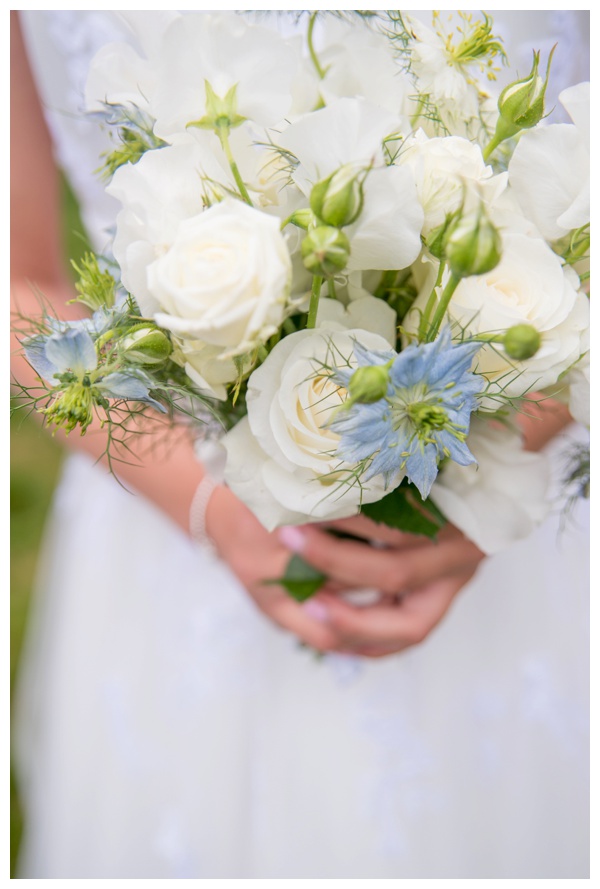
x: 292, y: 537
x: 317, y: 610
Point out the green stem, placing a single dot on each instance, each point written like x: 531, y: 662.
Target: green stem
x: 484, y: 338
x: 387, y: 281
x: 430, y: 303
x: 492, y: 145
x: 577, y: 252
x: 417, y: 114
x: 222, y: 132
x: 438, y: 317
x: 331, y: 288
x: 314, y: 301
x: 311, y: 24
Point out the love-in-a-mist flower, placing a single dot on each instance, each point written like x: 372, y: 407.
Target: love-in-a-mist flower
x: 422, y: 419
x: 69, y: 360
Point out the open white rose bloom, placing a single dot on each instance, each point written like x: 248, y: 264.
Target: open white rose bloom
x: 352, y: 249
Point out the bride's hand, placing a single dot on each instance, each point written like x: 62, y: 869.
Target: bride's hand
x: 433, y: 573
x: 418, y: 580
x: 255, y: 555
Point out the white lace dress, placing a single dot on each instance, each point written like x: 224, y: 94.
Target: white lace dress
x: 166, y: 729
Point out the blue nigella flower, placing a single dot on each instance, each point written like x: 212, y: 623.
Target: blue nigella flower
x: 423, y: 418
x: 69, y: 361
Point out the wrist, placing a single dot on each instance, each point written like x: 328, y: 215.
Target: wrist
x: 198, y: 512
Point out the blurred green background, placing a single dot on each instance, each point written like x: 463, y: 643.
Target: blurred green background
x: 35, y: 461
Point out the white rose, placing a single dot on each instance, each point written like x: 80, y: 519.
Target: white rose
x: 225, y: 278
x: 281, y: 458
x: 169, y: 185
x: 500, y: 499
x: 365, y: 313
x: 206, y: 366
x: 441, y: 168
x: 528, y: 286
x: 162, y: 189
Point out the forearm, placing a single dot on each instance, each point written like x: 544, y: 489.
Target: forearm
x: 166, y: 474
x: 541, y: 420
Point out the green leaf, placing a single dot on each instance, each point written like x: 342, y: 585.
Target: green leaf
x: 300, y: 580
x: 399, y: 509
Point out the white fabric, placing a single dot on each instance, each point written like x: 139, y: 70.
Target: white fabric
x: 166, y: 729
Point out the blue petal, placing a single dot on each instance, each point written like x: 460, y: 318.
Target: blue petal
x: 58, y: 326
x: 72, y: 350
x: 459, y: 452
x: 422, y: 469
x: 452, y: 365
x: 366, y: 357
x: 129, y: 388
x: 35, y: 352
x: 410, y: 367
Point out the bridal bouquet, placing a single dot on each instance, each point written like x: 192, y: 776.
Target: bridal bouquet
x: 350, y: 249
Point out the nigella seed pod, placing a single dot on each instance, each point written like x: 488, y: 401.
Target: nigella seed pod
x: 303, y: 218
x: 325, y: 250
x: 338, y: 200
x: 521, y: 341
x: 473, y: 245
x: 436, y: 239
x: 369, y: 384
x: 146, y: 346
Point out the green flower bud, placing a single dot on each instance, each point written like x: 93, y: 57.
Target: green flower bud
x: 146, y: 345
x: 436, y: 239
x: 521, y: 341
x: 338, y: 200
x: 521, y: 104
x: 95, y: 288
x: 325, y: 250
x: 473, y: 245
x: 369, y: 384
x: 303, y: 218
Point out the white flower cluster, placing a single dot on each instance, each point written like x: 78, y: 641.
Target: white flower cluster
x: 233, y: 224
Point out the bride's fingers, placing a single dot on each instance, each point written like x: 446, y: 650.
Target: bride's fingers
x: 361, y: 526
x: 391, y: 571
x: 384, y: 628
x: 307, y: 622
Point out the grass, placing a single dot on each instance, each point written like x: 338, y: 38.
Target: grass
x: 35, y: 461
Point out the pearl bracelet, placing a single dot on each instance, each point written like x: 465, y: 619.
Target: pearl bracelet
x: 198, y: 509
